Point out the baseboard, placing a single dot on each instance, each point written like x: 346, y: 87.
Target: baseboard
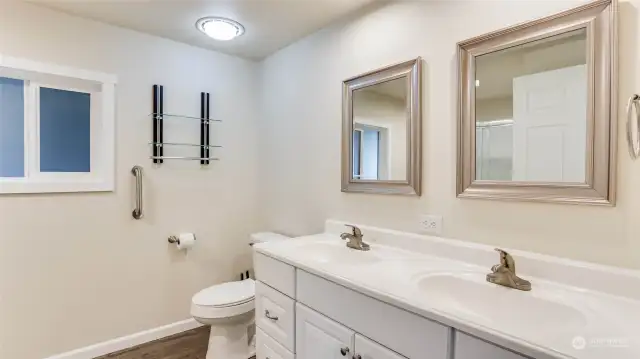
x: 129, y: 341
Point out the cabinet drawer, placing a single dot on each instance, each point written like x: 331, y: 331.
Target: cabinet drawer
x: 403, y: 332
x: 275, y: 315
x: 276, y: 274
x: 268, y: 348
x: 468, y: 347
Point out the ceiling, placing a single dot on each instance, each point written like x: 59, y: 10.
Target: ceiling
x: 270, y: 24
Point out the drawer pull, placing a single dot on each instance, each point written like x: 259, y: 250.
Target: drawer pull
x: 269, y: 316
x: 344, y: 351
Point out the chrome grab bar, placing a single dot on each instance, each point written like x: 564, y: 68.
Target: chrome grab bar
x: 137, y: 172
x: 634, y: 146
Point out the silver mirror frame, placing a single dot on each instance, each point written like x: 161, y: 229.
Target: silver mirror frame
x: 599, y: 19
x: 412, y: 185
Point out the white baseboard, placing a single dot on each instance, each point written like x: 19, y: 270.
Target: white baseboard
x: 128, y: 341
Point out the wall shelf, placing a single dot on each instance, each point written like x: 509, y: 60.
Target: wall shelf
x: 183, y: 144
x: 158, y: 116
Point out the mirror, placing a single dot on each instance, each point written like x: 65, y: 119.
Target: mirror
x: 531, y: 111
x: 537, y: 110
x: 381, y: 124
x: 379, y: 144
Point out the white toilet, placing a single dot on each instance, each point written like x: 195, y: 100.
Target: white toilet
x: 229, y: 309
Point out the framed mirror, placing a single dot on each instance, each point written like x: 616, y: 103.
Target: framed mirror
x: 537, y: 109
x: 381, y: 131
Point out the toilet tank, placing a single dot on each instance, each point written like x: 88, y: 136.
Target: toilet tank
x: 266, y: 237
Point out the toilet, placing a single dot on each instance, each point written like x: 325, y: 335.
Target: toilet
x: 229, y: 309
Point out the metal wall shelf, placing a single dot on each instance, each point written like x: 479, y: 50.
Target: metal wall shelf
x: 158, y: 116
x: 183, y: 144
x: 184, y: 158
x: 161, y: 115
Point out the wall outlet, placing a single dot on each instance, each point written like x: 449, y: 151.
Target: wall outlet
x: 431, y: 223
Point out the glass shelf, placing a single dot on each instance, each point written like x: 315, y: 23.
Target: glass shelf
x: 158, y: 144
x: 154, y: 115
x: 184, y: 158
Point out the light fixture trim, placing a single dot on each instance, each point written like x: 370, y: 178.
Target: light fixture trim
x: 224, y: 33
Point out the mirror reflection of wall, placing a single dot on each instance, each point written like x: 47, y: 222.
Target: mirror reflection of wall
x: 531, y: 111
x: 380, y: 118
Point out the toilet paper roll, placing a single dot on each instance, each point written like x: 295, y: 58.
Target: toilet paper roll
x: 186, y: 240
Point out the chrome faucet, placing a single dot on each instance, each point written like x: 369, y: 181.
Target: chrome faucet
x: 355, y: 239
x: 505, y: 273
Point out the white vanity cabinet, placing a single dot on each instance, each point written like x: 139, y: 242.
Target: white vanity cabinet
x: 268, y: 348
x: 303, y: 316
x: 318, y: 337
x: 368, y: 349
x: 468, y: 347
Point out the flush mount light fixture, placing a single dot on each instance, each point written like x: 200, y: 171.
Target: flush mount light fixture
x: 220, y: 28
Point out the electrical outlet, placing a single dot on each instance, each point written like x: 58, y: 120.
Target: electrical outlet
x: 431, y: 223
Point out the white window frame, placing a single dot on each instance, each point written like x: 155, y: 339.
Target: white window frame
x: 101, y: 87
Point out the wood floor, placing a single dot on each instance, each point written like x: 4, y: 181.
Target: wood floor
x: 191, y: 344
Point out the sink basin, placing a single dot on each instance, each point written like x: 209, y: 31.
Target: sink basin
x: 337, y: 252
x: 469, y: 295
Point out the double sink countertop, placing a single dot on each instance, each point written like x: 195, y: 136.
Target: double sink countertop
x: 553, y: 320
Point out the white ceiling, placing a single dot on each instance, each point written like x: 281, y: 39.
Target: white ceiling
x: 270, y: 24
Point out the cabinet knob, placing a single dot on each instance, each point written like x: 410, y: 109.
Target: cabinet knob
x: 344, y: 351
x: 357, y: 356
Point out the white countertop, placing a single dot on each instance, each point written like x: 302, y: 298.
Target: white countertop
x: 553, y: 320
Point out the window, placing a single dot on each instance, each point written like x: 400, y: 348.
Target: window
x: 56, y: 128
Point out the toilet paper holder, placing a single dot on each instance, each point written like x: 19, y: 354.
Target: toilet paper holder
x: 176, y: 240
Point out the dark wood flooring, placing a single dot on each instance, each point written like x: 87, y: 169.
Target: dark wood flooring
x: 191, y: 344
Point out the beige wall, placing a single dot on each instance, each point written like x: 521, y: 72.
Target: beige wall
x: 76, y: 269
x: 302, y: 120
x: 491, y: 109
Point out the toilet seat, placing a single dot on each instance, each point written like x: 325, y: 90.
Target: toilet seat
x: 224, y: 300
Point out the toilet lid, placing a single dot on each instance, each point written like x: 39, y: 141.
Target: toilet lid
x: 226, y: 294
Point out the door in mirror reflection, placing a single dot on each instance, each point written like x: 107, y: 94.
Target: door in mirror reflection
x: 531, y: 111
x: 380, y: 118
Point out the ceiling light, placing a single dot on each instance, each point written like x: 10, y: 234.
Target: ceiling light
x: 220, y: 28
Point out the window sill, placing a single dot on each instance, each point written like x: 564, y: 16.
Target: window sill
x: 16, y: 186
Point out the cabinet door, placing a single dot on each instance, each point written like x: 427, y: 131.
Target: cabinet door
x: 318, y: 337
x: 368, y: 349
x: 468, y: 347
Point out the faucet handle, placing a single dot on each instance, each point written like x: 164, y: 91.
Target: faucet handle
x: 506, y: 260
x: 355, y: 230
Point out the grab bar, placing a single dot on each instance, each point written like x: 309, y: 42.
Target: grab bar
x: 137, y: 172
x: 634, y: 146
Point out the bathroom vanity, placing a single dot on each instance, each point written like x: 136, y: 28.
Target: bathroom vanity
x: 421, y: 297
